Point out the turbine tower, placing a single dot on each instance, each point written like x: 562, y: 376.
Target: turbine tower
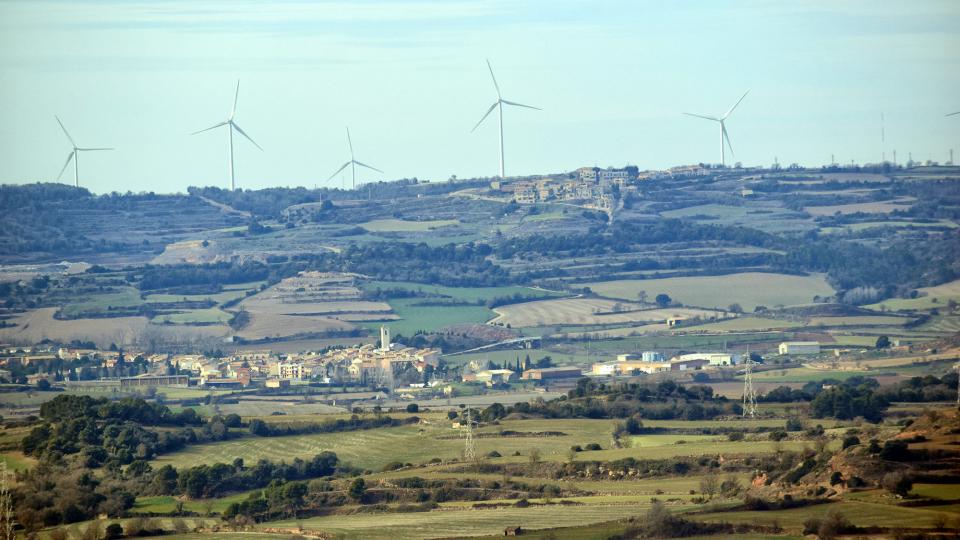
x: 231, y: 125
x: 74, y: 155
x: 353, y: 164
x: 498, y: 104
x: 724, y: 138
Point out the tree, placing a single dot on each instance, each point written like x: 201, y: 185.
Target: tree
x: 358, y: 488
x: 642, y: 297
x: 897, y: 483
x: 883, y: 342
x: 663, y: 300
x: 735, y: 308
x: 709, y: 485
x: 413, y: 408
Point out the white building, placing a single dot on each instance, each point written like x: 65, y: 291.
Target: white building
x: 714, y: 359
x: 800, y: 347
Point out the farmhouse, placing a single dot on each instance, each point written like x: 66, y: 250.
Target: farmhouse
x: 629, y: 367
x: 800, y: 347
x: 541, y: 374
x: 496, y: 376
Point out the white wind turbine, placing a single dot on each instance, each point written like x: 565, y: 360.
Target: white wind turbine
x: 498, y: 104
x: 74, y: 155
x: 353, y: 164
x: 231, y: 125
x: 724, y: 138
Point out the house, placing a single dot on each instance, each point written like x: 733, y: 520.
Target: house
x: 277, y: 383
x: 673, y: 322
x: 496, y: 376
x: 541, y: 374
x: 800, y: 347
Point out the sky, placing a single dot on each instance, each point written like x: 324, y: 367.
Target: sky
x: 410, y: 80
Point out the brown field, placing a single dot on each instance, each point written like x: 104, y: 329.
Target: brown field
x: 38, y: 324
x: 272, y: 325
x: 587, y: 311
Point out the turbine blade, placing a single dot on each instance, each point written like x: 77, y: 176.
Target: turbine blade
x: 69, y: 157
x: 92, y: 149
x: 369, y: 167
x: 244, y: 133
x: 338, y: 170
x: 350, y: 143
x: 495, y: 85
x: 65, y: 131
x: 735, y: 105
x: 521, y: 105
x: 490, y: 110
x: 211, y: 127
x: 702, y: 116
x: 236, y: 96
x: 726, y: 137
x: 954, y: 113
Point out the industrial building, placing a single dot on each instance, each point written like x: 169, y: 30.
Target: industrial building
x: 800, y: 347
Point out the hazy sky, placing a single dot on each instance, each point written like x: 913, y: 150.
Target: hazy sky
x: 409, y: 79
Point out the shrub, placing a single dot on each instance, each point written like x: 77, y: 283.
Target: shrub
x: 576, y: 448
x: 794, y: 424
x: 778, y: 435
x: 593, y: 446
x: 413, y: 408
x: 114, y: 530
x: 493, y: 454
x: 852, y: 440
x: 392, y: 466
x: 836, y: 478
x: 735, y: 436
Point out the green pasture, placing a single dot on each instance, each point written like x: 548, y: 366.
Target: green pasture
x: 464, y: 294
x: 100, y: 304
x: 399, y: 225
x: 432, y: 317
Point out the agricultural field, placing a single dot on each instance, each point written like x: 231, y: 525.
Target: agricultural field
x: 412, y: 316
x: 38, y: 324
x: 750, y: 289
x: 399, y: 225
x: 588, y: 311
x: 372, y: 449
x: 877, y: 207
x: 929, y: 298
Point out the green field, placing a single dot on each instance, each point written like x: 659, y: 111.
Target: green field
x: 372, y: 449
x: 430, y: 318
x: 465, y: 294
x: 163, y: 504
x: 929, y: 298
x: 101, y: 304
x: 399, y: 225
x: 742, y: 324
x: 747, y: 289
x: 195, y: 316
x: 218, y: 298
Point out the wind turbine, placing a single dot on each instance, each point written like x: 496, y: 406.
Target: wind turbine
x: 498, y: 104
x: 954, y: 113
x: 231, y: 125
x: 723, y: 128
x: 353, y: 164
x: 74, y: 155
